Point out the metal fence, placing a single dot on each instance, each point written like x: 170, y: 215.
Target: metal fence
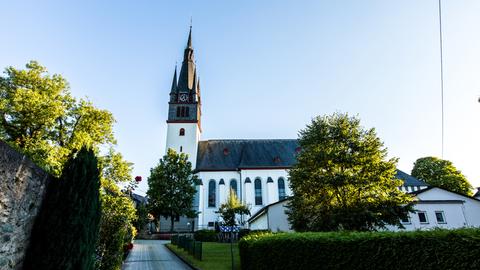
x: 188, y: 244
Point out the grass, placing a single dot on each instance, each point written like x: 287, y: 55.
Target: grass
x: 216, y: 256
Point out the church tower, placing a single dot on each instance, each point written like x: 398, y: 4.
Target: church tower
x: 184, y: 108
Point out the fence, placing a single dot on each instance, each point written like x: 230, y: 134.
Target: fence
x: 189, y: 244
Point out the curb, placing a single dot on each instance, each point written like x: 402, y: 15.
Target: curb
x: 182, y: 259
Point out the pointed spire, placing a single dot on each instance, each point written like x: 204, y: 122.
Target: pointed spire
x: 174, y: 82
x: 189, y: 43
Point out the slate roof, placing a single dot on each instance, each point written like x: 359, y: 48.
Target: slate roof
x: 409, y: 180
x: 230, y: 155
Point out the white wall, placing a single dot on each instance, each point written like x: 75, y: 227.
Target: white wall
x: 189, y: 142
x: 246, y: 190
x: 277, y: 218
x: 261, y: 223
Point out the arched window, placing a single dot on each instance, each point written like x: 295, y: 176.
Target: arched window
x: 258, y: 192
x: 281, y: 189
x: 233, y: 186
x: 182, y: 132
x: 178, y: 111
x: 187, y: 112
x: 211, y: 193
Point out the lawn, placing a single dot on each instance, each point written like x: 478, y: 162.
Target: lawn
x: 216, y: 256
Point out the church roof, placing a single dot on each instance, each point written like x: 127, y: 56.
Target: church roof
x: 229, y: 155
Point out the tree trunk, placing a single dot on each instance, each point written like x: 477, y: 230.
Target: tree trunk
x: 171, y: 223
x: 231, y: 245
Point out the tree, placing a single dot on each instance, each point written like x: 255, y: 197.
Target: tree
x: 342, y: 179
x: 171, y: 187
x: 441, y: 173
x: 228, y: 211
x: 39, y: 117
x: 66, y: 230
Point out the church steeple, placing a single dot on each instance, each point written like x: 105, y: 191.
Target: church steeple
x: 188, y: 69
x: 184, y: 105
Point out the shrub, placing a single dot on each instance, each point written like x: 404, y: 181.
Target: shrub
x: 66, y: 229
x: 205, y: 236
x: 436, y: 249
x: 244, y: 232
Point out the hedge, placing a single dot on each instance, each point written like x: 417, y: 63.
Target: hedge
x: 205, y: 236
x: 435, y: 249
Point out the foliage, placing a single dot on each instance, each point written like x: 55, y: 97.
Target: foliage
x: 205, y: 235
x: 247, y: 232
x: 232, y: 207
x: 342, y: 179
x: 435, y: 249
x: 215, y: 256
x: 142, y: 217
x: 172, y: 187
x: 441, y: 173
x: 39, y: 116
x: 66, y: 229
x: 116, y: 229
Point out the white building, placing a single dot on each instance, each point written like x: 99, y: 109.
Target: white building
x: 434, y: 208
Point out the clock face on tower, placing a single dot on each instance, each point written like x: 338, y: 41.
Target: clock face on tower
x: 183, y: 97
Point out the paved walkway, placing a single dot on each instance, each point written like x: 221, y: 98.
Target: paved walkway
x: 152, y: 255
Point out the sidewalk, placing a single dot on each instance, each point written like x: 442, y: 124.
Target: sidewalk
x: 152, y: 255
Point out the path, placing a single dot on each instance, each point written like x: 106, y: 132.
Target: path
x: 152, y: 255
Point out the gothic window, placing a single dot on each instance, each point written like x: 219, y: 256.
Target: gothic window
x: 211, y: 193
x: 281, y: 189
x: 178, y: 111
x: 182, y: 112
x: 182, y: 132
x: 181, y: 149
x: 258, y: 192
x: 233, y: 186
x: 187, y: 111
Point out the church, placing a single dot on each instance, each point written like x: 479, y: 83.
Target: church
x: 256, y: 170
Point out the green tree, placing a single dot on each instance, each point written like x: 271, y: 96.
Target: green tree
x: 171, y: 187
x: 40, y: 117
x: 66, y: 230
x: 441, y: 173
x: 343, y: 180
x: 228, y: 211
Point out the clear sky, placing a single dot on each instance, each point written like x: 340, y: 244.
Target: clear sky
x: 266, y: 67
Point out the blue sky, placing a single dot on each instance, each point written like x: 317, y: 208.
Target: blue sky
x: 266, y: 67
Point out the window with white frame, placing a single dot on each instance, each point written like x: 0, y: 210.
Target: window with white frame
x: 422, y: 217
x: 440, y: 216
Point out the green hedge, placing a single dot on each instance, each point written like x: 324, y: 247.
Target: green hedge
x: 205, y: 236
x: 436, y: 249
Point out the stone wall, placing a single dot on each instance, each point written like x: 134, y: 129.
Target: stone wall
x: 22, y: 189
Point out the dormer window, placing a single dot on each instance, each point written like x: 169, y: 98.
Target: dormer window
x: 182, y: 132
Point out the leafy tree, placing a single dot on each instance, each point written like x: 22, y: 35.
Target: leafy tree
x: 116, y: 227
x: 66, y: 230
x: 228, y: 211
x: 441, y: 173
x: 40, y: 117
x: 342, y: 179
x: 172, y: 187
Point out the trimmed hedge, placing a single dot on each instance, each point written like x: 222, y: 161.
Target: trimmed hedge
x: 205, y: 235
x: 435, y: 249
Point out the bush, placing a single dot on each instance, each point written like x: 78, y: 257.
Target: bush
x: 205, y: 236
x: 66, y: 229
x: 244, y: 232
x: 436, y: 249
